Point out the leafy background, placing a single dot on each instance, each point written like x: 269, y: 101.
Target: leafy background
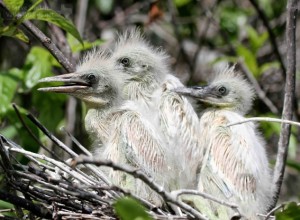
x: 200, y: 36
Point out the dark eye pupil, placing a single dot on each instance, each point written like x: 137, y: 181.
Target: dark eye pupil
x: 125, y: 61
x: 91, y: 77
x: 222, y: 90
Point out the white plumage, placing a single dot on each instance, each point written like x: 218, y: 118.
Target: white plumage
x: 127, y: 137
x: 149, y: 83
x: 235, y: 166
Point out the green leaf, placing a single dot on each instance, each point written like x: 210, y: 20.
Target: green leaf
x: 8, y: 86
x: 78, y: 47
x: 293, y: 144
x: 266, y: 66
x: 54, y: 18
x: 224, y: 59
x: 291, y: 212
x: 9, y: 132
x: 256, y: 40
x: 231, y: 19
x: 21, y: 36
x: 34, y: 5
x: 293, y: 164
x: 13, y: 31
x: 14, y: 5
x: 5, y: 205
x: 50, y: 107
x: 23, y: 137
x: 180, y: 3
x: 129, y: 209
x: 38, y: 65
x: 249, y: 58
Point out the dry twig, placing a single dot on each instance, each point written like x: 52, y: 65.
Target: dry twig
x: 168, y: 197
x: 288, y: 98
x: 278, y: 120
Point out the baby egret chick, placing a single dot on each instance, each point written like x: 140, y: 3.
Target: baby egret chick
x: 93, y: 86
x: 126, y: 136
x: 148, y: 82
x: 235, y: 166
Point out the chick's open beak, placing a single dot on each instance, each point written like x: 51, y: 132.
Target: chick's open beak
x: 198, y: 92
x: 73, y: 83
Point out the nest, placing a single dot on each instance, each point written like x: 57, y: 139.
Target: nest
x: 50, y: 188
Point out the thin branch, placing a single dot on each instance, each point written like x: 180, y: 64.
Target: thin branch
x: 261, y: 93
x: 205, y: 196
x: 46, y: 41
x: 65, y: 148
x: 142, y: 176
x: 81, y: 9
x: 65, y: 188
x: 80, y: 146
x: 278, y: 120
x: 51, y: 136
x: 288, y: 98
x: 274, y: 210
x: 24, y: 203
x: 60, y: 40
x: 32, y: 134
x: 5, y: 161
x: 272, y: 36
x: 58, y: 164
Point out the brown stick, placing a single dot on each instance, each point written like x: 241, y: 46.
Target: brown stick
x: 46, y: 41
x: 288, y: 98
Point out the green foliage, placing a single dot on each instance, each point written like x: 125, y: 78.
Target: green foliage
x: 54, y: 18
x: 256, y: 40
x: 19, y: 85
x: 180, y: 3
x: 14, y: 5
x: 293, y: 164
x: 40, y: 14
x: 272, y: 128
x: 129, y: 209
x: 13, y: 31
x: 231, y: 18
x: 77, y: 47
x: 249, y: 54
x: 38, y: 64
x: 249, y: 58
x: 9, y: 81
x: 291, y: 212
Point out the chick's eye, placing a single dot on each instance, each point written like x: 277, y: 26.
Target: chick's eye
x: 91, y: 77
x: 222, y: 90
x: 125, y: 61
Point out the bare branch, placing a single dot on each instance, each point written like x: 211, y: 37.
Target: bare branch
x: 272, y: 37
x: 31, y: 133
x: 288, y: 98
x: 142, y: 176
x: 82, y: 148
x: 274, y: 210
x: 51, y: 136
x: 24, y: 203
x: 278, y: 120
x: 205, y: 196
x: 260, y: 92
x: 46, y: 41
